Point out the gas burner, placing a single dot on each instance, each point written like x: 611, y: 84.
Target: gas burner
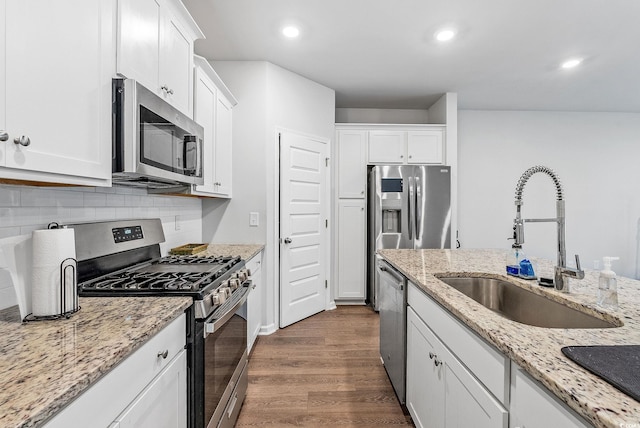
x: 187, y: 260
x: 150, y: 281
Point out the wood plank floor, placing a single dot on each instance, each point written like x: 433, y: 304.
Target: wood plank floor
x: 322, y: 371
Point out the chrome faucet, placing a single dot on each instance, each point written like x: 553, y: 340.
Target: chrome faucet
x: 562, y: 271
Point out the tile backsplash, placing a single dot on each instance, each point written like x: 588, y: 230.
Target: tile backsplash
x: 24, y: 209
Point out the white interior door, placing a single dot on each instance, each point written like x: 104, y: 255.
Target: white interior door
x: 303, y: 229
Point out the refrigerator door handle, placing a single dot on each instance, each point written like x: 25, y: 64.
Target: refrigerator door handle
x: 418, y: 215
x: 409, y: 214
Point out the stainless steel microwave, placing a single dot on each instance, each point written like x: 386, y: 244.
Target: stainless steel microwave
x: 154, y: 145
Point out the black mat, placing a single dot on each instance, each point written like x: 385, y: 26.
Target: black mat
x: 618, y: 365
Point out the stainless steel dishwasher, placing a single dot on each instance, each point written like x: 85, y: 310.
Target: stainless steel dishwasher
x: 393, y: 325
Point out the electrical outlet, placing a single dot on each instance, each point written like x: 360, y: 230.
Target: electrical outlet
x: 254, y: 219
x: 178, y: 224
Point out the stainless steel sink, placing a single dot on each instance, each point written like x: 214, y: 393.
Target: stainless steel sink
x: 523, y: 306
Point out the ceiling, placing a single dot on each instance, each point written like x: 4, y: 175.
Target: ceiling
x: 382, y: 53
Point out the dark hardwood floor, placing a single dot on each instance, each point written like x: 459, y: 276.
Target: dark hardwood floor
x: 322, y: 371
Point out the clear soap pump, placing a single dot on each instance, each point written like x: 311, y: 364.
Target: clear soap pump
x: 608, y: 285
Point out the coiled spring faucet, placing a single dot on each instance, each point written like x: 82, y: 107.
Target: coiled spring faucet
x: 561, y: 271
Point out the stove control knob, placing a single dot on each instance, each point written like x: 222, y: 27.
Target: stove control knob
x: 221, y: 295
x: 242, y: 275
x: 226, y: 291
x: 248, y: 271
x: 215, y: 299
x: 234, y: 283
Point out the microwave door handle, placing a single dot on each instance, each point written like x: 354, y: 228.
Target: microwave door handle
x: 188, y: 140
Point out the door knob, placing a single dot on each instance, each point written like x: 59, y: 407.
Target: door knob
x: 287, y: 240
x: 22, y: 140
x: 4, y: 136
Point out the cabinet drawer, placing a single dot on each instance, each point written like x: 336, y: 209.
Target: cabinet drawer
x: 484, y: 361
x: 254, y: 263
x: 110, y: 395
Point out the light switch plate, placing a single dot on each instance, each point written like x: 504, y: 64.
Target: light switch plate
x: 254, y: 219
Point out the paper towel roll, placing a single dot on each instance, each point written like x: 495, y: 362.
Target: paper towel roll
x: 51, y: 248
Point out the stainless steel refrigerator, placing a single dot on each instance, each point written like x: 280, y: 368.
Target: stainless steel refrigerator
x: 409, y: 206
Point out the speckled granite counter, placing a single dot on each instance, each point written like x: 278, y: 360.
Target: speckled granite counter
x: 46, y: 364
x: 245, y: 251
x: 535, y: 349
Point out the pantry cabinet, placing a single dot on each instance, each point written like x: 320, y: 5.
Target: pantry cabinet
x: 351, y: 254
x: 56, y: 64
x: 155, y: 47
x: 213, y: 110
x: 147, y: 389
x: 352, y: 163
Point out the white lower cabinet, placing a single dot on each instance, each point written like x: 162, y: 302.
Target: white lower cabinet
x: 352, y: 242
x: 254, y: 301
x: 533, y: 407
x: 147, y: 389
x: 441, y: 392
x: 164, y: 402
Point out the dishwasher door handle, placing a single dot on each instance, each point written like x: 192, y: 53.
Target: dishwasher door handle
x: 384, y: 267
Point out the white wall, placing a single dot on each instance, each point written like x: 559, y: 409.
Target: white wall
x: 24, y: 209
x: 374, y: 115
x: 596, y: 157
x: 269, y: 98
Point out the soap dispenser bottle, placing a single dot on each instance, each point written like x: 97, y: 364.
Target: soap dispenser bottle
x: 513, y: 260
x: 608, y: 285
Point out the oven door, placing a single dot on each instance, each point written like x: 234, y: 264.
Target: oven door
x: 222, y: 382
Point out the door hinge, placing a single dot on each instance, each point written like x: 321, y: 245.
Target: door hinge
x: 326, y: 284
x: 326, y: 223
x: 326, y: 161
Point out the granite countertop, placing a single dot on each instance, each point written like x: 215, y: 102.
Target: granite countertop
x: 536, y: 349
x: 46, y: 364
x: 245, y: 251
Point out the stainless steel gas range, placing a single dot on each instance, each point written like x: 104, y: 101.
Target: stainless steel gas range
x: 122, y: 258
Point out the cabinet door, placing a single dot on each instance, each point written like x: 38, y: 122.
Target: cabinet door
x: 176, y: 64
x: 425, y: 147
x: 425, y: 388
x: 532, y: 406
x: 352, y: 163
x: 467, y: 402
x: 164, y: 402
x: 387, y: 147
x: 58, y: 88
x: 351, y: 249
x: 138, y: 58
x: 223, y: 146
x: 254, y: 302
x: 205, y: 94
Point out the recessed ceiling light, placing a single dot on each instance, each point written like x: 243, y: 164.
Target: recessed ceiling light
x: 445, y: 35
x: 291, y: 32
x: 571, y: 63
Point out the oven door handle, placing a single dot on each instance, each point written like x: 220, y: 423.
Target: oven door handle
x: 213, y: 326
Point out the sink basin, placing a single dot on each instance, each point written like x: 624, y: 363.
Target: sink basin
x: 523, y: 306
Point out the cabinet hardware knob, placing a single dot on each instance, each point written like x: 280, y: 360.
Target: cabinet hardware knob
x: 401, y: 156
x: 23, y: 140
x: 288, y: 240
x: 4, y: 135
x: 164, y: 354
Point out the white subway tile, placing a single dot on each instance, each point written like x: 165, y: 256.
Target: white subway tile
x: 132, y: 200
x: 6, y: 232
x: 105, y: 213
x: 95, y: 199
x: 9, y: 196
x: 115, y: 200
x: 123, y: 213
x: 77, y: 215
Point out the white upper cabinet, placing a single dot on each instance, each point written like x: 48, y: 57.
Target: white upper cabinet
x: 352, y: 163
x: 56, y: 63
x: 213, y: 110
x: 387, y: 147
x: 155, y: 47
x: 424, y: 146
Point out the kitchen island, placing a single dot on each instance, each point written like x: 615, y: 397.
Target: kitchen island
x: 536, y: 350
x: 44, y: 365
